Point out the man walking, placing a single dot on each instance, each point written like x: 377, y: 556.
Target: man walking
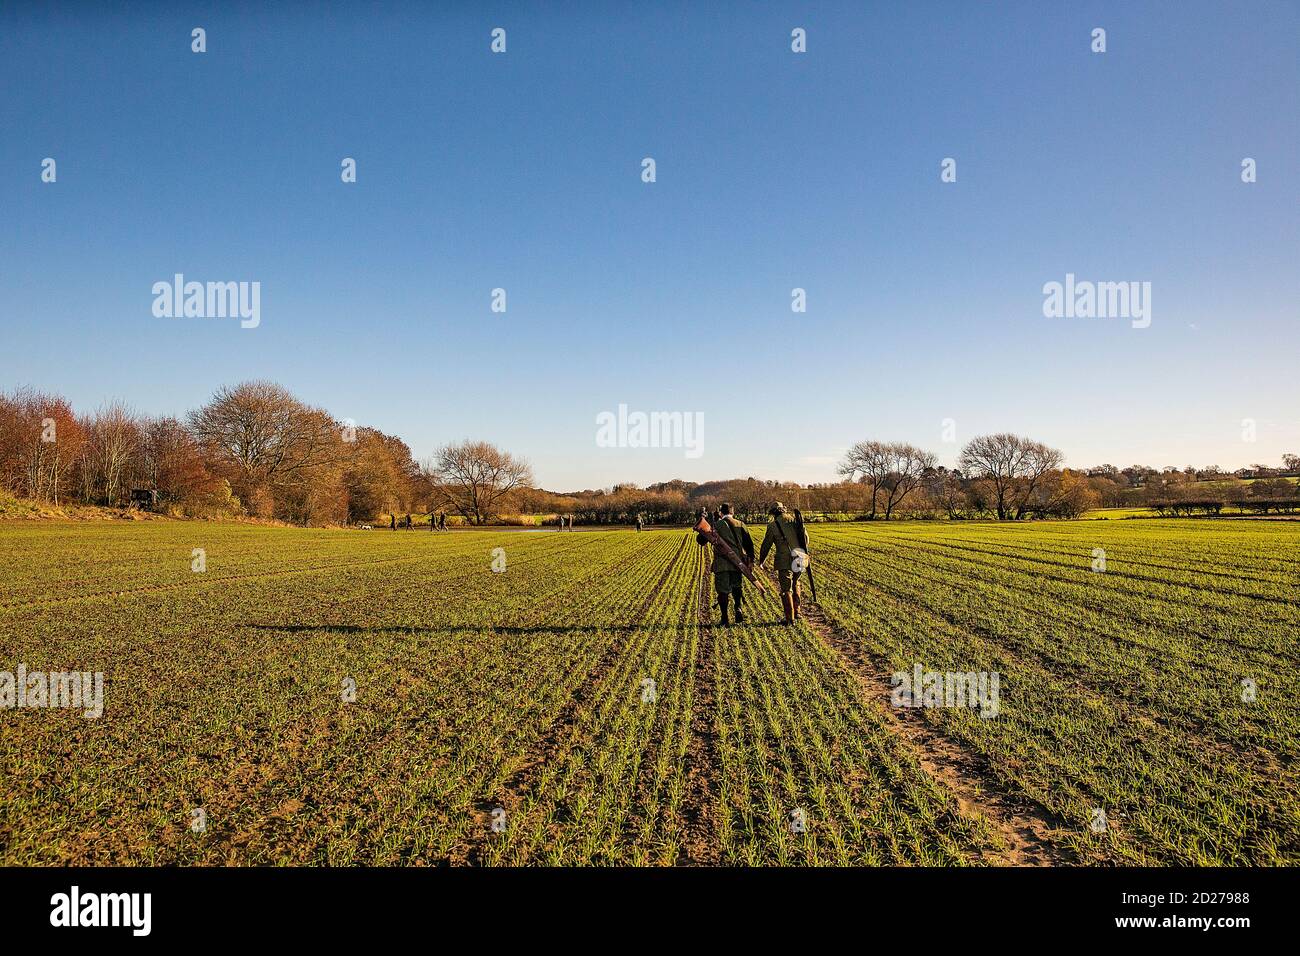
x: 727, y: 577
x: 782, y: 536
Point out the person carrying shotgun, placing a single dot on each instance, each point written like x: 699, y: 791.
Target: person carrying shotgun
x: 790, y: 542
x: 727, y: 576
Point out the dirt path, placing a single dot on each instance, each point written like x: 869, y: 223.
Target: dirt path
x: 1029, y: 833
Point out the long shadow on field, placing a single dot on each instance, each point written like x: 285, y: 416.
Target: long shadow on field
x: 433, y: 626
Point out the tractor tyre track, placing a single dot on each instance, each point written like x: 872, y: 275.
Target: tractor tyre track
x: 703, y: 764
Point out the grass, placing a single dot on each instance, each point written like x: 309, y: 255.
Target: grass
x: 582, y: 701
x: 1119, y: 513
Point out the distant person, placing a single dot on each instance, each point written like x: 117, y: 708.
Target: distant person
x: 442, y: 521
x: 782, y: 536
x: 433, y: 521
x: 409, y: 526
x: 392, y: 521
x: 638, y: 523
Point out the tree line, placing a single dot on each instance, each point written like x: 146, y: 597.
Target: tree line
x: 1012, y: 477
x: 255, y: 449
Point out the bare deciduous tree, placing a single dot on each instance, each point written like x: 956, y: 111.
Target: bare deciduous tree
x: 946, y: 492
x: 907, y: 466
x: 114, y: 438
x: 172, y: 463
x: 1013, y: 465
x: 266, y: 437
x: 472, y: 478
x: 867, y: 462
x: 895, y: 468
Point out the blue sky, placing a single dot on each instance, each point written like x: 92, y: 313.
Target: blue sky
x: 775, y: 170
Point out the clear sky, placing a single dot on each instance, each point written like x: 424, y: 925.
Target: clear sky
x: 775, y: 170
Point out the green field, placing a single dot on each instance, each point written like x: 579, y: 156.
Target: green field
x: 523, y: 698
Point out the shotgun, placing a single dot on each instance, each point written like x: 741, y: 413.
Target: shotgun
x: 802, y: 534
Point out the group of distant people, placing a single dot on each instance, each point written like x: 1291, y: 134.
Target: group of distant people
x: 566, y: 522
x: 437, y: 522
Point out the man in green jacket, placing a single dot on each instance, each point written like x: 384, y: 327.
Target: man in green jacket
x: 727, y: 578
x: 782, y: 536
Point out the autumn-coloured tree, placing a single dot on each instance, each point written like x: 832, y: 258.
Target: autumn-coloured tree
x: 172, y: 463
x: 1062, y: 494
x: 378, y: 475
x: 40, y: 440
x: 271, y: 446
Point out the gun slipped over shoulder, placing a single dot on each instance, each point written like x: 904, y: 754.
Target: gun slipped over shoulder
x: 721, y: 547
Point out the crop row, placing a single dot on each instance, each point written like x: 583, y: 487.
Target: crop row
x: 1118, y: 693
x: 226, y: 698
